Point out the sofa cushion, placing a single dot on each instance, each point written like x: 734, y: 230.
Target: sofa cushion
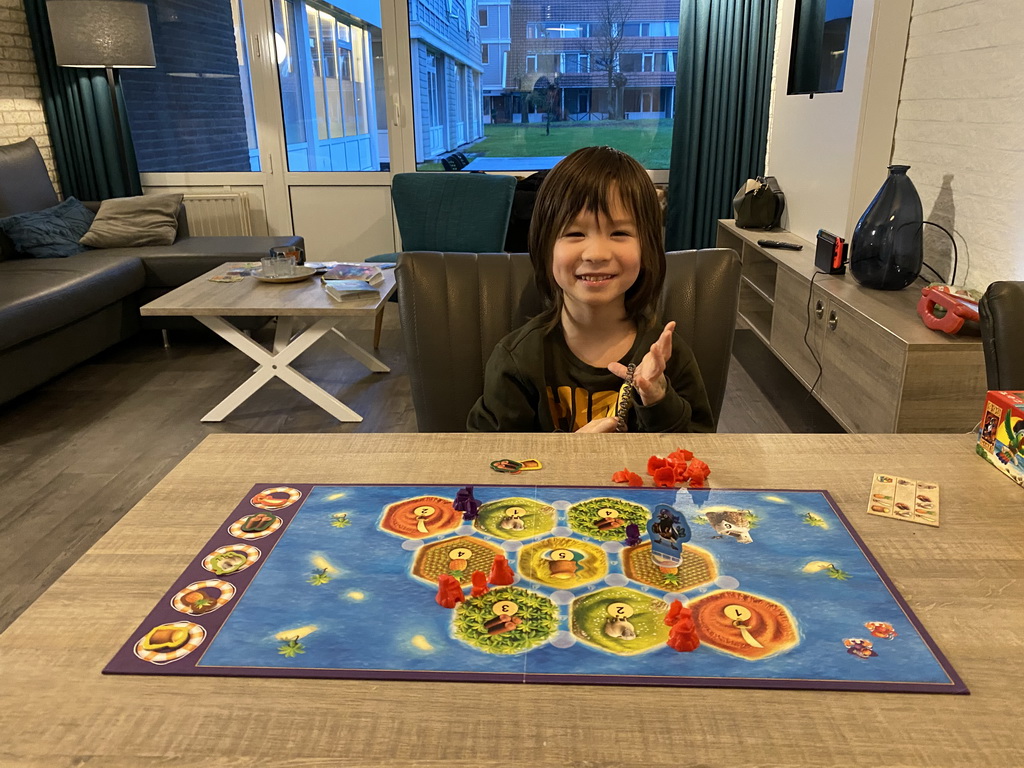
x: 169, y: 266
x: 49, y: 233
x: 38, y: 296
x: 26, y: 184
x: 124, y: 222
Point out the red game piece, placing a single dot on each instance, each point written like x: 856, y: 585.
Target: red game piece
x: 479, y: 584
x: 683, y: 635
x: 501, y: 574
x: 449, y: 591
x: 680, y: 455
x: 655, y: 463
x: 665, y: 477
x: 697, y: 472
x: 625, y: 476
x: 673, y: 613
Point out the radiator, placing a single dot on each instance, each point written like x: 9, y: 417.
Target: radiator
x: 225, y: 213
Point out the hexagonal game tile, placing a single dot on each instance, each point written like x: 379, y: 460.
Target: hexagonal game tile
x: 562, y: 562
x: 421, y: 517
x: 697, y: 569
x: 743, y: 624
x: 619, y: 620
x: 515, y: 518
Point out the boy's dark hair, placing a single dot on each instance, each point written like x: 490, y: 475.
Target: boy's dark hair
x: 584, y: 181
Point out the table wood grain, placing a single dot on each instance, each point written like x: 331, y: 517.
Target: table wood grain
x: 963, y: 581
x: 250, y: 297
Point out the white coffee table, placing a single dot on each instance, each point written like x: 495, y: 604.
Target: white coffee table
x: 294, y: 305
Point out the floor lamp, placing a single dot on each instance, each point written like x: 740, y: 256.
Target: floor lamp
x: 112, y: 34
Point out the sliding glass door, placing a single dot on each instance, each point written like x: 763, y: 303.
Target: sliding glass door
x: 308, y: 107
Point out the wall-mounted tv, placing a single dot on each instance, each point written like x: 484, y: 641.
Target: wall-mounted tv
x: 821, y: 34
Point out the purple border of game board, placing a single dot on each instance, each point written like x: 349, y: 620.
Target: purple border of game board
x: 126, y: 662
x: 213, y: 621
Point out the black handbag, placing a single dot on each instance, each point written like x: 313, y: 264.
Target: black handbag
x: 759, y: 204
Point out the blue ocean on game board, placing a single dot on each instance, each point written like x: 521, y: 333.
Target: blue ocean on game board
x: 779, y: 592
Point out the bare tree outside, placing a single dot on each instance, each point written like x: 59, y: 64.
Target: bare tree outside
x: 608, y: 39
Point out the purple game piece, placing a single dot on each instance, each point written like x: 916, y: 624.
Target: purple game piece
x: 466, y: 503
x: 632, y: 535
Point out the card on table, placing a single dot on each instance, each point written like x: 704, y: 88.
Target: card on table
x: 903, y: 499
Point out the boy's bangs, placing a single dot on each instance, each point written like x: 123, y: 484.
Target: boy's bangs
x: 591, y: 193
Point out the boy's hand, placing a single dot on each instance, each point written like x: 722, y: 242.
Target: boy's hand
x: 609, y: 424
x: 649, y: 376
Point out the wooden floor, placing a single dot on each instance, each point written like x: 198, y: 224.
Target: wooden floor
x: 79, y: 452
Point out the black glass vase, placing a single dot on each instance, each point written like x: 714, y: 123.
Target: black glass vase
x: 886, y: 251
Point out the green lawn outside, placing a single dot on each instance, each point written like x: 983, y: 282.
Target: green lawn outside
x: 649, y: 141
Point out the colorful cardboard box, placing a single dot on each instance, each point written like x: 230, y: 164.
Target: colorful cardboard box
x: 1001, y: 437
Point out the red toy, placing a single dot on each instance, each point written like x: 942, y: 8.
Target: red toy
x: 449, y: 591
x: 955, y: 313
x: 501, y: 574
x: 683, y: 635
x: 479, y: 584
x: 680, y: 455
x: 696, y: 473
x: 665, y: 477
x: 655, y: 463
x: 625, y: 476
x: 673, y: 613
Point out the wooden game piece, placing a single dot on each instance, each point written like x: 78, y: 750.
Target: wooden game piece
x: 683, y: 635
x: 501, y: 574
x: 664, y: 477
x: 655, y: 463
x: 674, y: 611
x: 696, y: 473
x: 466, y: 503
x: 479, y: 584
x: 449, y: 591
x: 632, y: 535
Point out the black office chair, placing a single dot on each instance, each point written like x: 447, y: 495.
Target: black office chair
x: 455, y: 307
x: 1002, y: 317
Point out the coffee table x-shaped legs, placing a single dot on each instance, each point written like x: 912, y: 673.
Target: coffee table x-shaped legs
x: 276, y: 363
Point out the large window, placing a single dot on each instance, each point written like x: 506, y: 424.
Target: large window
x: 194, y: 112
x: 329, y: 94
x: 573, y: 73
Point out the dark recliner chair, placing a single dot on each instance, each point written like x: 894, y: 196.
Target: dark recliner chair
x: 1002, y: 319
x: 455, y: 307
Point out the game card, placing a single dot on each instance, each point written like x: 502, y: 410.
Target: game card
x: 903, y: 499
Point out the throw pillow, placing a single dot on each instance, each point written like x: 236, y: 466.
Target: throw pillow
x: 123, y: 222
x: 51, y: 233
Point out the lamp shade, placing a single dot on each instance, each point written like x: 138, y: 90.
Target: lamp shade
x: 101, y: 33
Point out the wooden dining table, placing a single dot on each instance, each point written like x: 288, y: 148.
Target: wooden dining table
x: 963, y: 579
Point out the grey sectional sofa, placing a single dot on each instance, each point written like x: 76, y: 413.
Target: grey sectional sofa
x: 56, y: 313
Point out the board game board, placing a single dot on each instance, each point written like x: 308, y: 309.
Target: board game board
x: 340, y: 581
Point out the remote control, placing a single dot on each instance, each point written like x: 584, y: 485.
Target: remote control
x: 780, y: 244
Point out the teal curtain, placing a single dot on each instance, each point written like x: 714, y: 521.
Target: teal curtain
x: 719, y: 137
x: 80, y: 119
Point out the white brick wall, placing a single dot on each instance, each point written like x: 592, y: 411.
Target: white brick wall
x: 959, y: 128
x: 21, y: 106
